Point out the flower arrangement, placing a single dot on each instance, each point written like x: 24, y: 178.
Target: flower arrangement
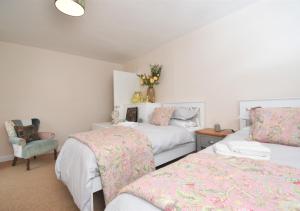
x: 153, y: 78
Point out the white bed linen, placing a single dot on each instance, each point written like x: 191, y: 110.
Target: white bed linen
x: 164, y: 138
x: 77, y: 166
x: 280, y: 154
x: 246, y: 149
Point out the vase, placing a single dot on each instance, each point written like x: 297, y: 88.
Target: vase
x: 151, y: 95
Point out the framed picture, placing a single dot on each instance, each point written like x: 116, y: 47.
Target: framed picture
x: 132, y: 114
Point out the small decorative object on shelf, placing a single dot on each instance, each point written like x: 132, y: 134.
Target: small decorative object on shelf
x: 151, y: 80
x: 137, y: 97
x: 115, y: 115
x: 132, y: 114
x: 217, y: 127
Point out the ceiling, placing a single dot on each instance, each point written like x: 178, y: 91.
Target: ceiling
x: 111, y: 30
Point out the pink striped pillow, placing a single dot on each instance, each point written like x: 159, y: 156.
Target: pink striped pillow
x: 276, y: 125
x: 162, y: 115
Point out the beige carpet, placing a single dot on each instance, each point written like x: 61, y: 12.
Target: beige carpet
x: 37, y: 189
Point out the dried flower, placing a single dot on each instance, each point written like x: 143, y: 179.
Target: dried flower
x: 153, y: 79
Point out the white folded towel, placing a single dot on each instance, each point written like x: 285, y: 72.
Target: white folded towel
x: 223, y: 149
x: 251, y: 148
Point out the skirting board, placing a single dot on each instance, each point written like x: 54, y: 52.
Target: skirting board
x: 6, y: 158
x: 11, y: 157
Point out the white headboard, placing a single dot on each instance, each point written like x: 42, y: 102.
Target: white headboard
x: 145, y: 110
x: 245, y: 106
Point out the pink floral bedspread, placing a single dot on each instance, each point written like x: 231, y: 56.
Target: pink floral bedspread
x: 210, y: 182
x: 123, y: 155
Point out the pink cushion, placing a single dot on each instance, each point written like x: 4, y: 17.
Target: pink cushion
x: 276, y: 125
x: 162, y: 115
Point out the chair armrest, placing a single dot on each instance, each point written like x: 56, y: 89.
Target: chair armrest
x: 17, y: 140
x: 46, y: 135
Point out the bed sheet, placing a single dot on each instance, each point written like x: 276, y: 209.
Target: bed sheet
x: 280, y: 154
x: 77, y: 168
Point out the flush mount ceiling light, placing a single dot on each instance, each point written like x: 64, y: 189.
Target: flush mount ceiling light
x: 71, y: 7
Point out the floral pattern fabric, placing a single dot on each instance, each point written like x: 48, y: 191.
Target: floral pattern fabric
x: 276, y: 125
x: 162, y: 115
x: 10, y: 128
x: 123, y: 155
x: 203, y: 181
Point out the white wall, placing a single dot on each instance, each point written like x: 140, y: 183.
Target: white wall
x: 251, y: 54
x: 68, y: 93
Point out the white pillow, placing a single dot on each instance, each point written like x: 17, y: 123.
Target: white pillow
x: 185, y: 113
x: 183, y: 123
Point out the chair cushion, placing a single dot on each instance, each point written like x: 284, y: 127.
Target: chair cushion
x: 29, y: 133
x: 36, y: 123
x: 38, y: 147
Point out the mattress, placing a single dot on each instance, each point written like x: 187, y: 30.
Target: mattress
x: 280, y: 154
x: 77, y: 166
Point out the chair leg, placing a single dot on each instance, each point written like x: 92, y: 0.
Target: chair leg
x: 14, y: 161
x: 28, y: 164
x: 55, y: 154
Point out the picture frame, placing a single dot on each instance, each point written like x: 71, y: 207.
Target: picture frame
x: 132, y: 114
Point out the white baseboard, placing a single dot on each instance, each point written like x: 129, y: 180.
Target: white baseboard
x: 11, y: 157
x: 6, y: 158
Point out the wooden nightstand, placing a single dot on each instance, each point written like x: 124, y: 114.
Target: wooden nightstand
x: 209, y: 136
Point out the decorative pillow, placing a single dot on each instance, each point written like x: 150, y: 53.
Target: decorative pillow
x: 276, y: 125
x: 29, y: 133
x: 183, y: 123
x: 185, y: 113
x: 162, y: 115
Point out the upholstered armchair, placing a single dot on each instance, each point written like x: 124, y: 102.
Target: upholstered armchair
x: 45, y: 144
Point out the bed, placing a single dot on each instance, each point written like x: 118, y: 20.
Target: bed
x: 281, y: 154
x: 77, y: 168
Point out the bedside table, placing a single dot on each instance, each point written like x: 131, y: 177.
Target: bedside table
x: 209, y: 136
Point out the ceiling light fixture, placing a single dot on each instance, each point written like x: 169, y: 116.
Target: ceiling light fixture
x: 71, y: 7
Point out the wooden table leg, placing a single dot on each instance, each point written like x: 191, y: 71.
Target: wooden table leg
x: 14, y: 161
x: 28, y: 164
x: 55, y: 154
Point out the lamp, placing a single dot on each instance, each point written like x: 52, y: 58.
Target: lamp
x: 71, y: 7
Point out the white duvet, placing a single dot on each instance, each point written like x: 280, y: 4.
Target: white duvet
x: 280, y: 154
x: 77, y: 167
